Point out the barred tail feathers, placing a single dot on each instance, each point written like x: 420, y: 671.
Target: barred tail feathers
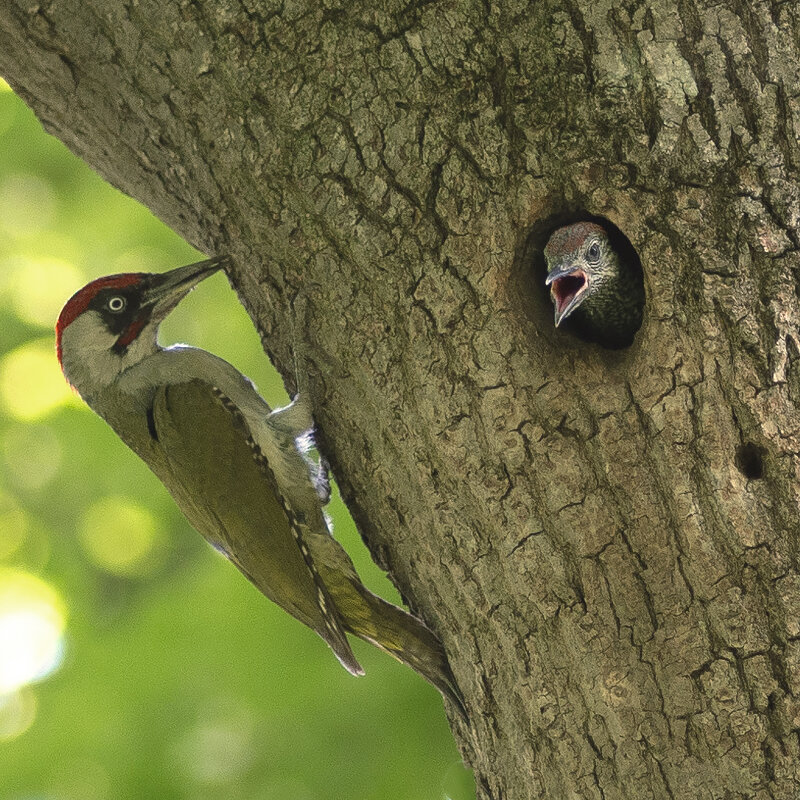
x: 407, y: 639
x: 378, y: 622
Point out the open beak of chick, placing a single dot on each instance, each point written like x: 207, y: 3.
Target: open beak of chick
x: 568, y: 285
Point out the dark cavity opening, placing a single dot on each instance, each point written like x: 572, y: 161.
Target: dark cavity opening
x: 613, y: 330
x: 750, y: 461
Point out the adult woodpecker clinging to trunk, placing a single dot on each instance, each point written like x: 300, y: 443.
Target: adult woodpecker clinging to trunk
x: 238, y: 470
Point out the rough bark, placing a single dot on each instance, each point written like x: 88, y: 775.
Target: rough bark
x: 607, y: 542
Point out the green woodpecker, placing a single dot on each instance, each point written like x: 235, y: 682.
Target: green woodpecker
x: 591, y: 284
x: 240, y: 471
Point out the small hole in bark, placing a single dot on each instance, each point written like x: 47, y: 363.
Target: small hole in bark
x: 608, y: 318
x: 750, y: 461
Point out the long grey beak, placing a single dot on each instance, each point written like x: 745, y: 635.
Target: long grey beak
x: 568, y: 284
x: 167, y: 289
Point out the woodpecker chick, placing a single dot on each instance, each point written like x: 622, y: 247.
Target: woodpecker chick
x: 239, y: 470
x: 591, y: 284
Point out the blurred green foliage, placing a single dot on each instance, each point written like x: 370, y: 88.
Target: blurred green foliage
x: 135, y: 662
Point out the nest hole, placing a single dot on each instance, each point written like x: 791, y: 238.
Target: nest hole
x: 750, y: 461
x: 533, y: 260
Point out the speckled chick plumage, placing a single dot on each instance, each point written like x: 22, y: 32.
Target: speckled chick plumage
x: 592, y: 286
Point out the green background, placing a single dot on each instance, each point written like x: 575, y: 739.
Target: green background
x: 135, y: 662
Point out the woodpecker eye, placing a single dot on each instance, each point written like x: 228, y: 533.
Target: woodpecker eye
x: 116, y: 304
x: 593, y: 253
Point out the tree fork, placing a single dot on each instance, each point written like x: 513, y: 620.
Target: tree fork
x: 605, y: 541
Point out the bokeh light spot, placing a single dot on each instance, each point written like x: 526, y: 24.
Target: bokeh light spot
x: 27, y: 204
x: 31, y: 383
x: 121, y: 537
x: 14, y: 525
x: 32, y: 454
x: 40, y: 286
x: 17, y: 713
x: 216, y: 752
x: 32, y: 619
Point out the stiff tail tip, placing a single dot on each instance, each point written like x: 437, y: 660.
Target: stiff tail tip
x: 448, y: 689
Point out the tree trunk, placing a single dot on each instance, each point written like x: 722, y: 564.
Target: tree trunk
x: 606, y: 541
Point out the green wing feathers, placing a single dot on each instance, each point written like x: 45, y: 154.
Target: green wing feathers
x: 211, y: 454
x: 223, y: 483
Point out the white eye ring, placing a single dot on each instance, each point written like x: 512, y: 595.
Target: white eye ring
x: 116, y: 304
x: 593, y: 253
